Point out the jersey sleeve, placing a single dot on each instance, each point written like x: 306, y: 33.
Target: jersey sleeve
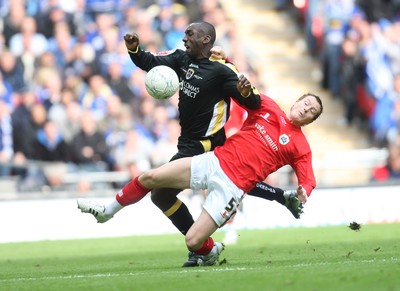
x: 146, y: 60
x: 305, y: 173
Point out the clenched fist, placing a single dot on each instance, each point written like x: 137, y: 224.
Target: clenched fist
x: 131, y: 41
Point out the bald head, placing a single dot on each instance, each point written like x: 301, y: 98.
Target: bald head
x: 208, y: 29
x: 199, y: 39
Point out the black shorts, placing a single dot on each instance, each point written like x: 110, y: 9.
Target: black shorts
x: 188, y: 147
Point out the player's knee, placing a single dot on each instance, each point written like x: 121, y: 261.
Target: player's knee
x: 149, y: 179
x: 192, y: 242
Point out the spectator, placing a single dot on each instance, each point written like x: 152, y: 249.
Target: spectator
x: 66, y: 115
x: 6, y: 140
x: 165, y: 147
x: 30, y: 117
x: 51, y: 16
x: 6, y: 92
x: 115, y: 127
x: 12, y: 71
x: 350, y: 79
x: 88, y: 147
x: 28, y: 39
x: 95, y: 98
x: 61, y: 45
x: 135, y: 149
x: 49, y: 145
x: 390, y: 171
x: 26, y: 119
x: 12, y: 22
x: 159, y: 126
x: 173, y: 38
x: 337, y: 16
x: 119, y: 83
x: 49, y: 84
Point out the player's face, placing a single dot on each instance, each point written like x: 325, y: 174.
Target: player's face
x: 304, y: 111
x: 193, y: 40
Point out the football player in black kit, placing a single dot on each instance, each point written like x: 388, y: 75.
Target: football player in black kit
x: 206, y: 88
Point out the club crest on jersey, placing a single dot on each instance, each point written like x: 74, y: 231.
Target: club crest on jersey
x: 189, y: 74
x: 284, y: 139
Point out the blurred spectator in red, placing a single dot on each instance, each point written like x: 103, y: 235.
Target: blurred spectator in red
x: 391, y: 170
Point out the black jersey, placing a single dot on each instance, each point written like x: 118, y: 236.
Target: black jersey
x: 206, y: 87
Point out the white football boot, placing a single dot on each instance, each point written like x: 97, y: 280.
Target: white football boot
x: 211, y: 259
x: 95, y: 209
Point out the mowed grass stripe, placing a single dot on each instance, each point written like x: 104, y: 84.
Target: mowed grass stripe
x: 205, y: 269
x: 322, y: 258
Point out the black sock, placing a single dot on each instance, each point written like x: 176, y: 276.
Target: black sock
x: 265, y: 191
x: 181, y: 217
x: 165, y: 199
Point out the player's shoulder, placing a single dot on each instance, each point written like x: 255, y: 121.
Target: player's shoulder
x: 266, y: 100
x: 223, y: 65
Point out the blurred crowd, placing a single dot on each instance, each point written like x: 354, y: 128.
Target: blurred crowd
x: 357, y: 43
x: 71, y: 100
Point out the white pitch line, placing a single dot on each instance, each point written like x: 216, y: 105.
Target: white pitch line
x: 191, y: 270
x: 196, y: 270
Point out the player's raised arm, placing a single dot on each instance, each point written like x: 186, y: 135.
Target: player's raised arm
x: 132, y: 42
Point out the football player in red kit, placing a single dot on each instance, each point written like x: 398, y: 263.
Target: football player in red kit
x: 268, y: 140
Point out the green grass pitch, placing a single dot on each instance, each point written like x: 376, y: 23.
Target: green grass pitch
x: 322, y: 258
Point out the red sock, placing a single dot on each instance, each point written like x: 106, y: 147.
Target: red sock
x: 131, y: 192
x: 206, y: 248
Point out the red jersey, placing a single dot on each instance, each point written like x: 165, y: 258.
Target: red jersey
x: 266, y: 142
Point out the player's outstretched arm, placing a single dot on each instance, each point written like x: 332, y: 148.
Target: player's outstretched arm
x: 288, y: 198
x: 302, y: 194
